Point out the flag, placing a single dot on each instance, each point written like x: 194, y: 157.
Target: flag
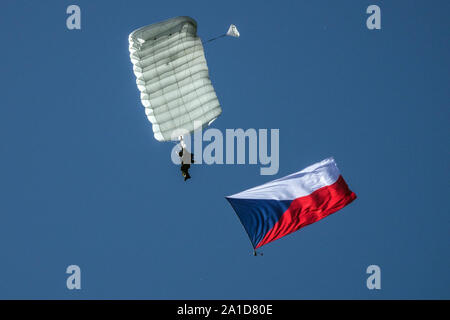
x: 280, y: 207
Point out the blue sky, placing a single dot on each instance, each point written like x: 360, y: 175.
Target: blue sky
x: 83, y: 181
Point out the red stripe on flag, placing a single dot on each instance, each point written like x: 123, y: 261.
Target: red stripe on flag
x: 309, y: 209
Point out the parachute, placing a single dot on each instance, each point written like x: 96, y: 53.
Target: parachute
x: 233, y: 31
x: 172, y: 76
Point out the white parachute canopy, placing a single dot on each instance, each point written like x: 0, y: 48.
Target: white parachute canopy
x: 173, y: 78
x: 233, y: 31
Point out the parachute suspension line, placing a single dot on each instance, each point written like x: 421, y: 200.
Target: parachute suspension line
x: 215, y: 38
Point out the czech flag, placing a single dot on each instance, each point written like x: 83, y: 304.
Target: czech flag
x: 280, y: 207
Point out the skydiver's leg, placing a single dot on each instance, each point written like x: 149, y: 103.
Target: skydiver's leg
x: 186, y: 174
x: 184, y: 169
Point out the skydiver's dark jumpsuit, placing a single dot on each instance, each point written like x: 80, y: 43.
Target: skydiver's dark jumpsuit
x: 186, y: 159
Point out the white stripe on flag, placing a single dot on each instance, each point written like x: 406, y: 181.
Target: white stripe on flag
x: 296, y: 185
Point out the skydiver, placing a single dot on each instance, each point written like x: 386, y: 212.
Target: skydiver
x: 186, y: 159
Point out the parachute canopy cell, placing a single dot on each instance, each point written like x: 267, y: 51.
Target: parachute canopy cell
x: 172, y: 76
